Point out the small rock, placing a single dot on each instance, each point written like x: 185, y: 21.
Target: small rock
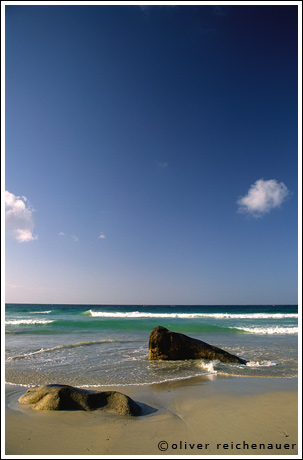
x: 65, y: 397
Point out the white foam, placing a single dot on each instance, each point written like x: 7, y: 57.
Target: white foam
x: 209, y: 366
x: 269, y: 330
x: 18, y: 384
x: 46, y: 312
x: 16, y: 322
x: 137, y: 314
x: 29, y: 354
x: 261, y: 363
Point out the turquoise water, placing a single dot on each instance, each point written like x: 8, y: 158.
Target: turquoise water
x: 96, y: 345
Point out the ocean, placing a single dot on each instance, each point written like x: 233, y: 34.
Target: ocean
x: 104, y: 345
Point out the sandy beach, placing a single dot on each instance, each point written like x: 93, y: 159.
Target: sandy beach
x: 197, y: 416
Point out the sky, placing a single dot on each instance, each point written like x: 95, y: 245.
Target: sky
x: 151, y: 154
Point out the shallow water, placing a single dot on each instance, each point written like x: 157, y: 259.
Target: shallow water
x: 87, y: 345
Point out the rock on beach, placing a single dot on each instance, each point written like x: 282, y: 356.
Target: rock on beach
x: 168, y: 345
x: 65, y: 397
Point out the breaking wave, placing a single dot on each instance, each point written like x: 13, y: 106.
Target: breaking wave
x: 269, y: 330
x: 16, y: 322
x: 138, y: 314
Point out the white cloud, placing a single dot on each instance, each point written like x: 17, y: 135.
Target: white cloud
x: 262, y: 197
x: 19, y: 220
x: 163, y: 164
x: 61, y: 234
x: 75, y: 238
x: 102, y: 236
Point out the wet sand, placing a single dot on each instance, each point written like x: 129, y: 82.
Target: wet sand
x: 197, y: 416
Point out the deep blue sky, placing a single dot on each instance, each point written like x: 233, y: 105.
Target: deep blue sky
x: 146, y: 126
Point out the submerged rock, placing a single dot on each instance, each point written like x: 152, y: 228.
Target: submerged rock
x: 65, y: 397
x: 167, y: 345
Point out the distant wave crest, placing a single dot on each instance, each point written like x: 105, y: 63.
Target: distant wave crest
x: 138, y: 314
x: 16, y: 322
x: 269, y: 330
x: 41, y: 312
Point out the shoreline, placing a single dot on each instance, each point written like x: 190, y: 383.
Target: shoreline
x: 195, y: 416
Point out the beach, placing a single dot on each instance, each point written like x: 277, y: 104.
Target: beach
x: 195, y: 416
x: 188, y: 406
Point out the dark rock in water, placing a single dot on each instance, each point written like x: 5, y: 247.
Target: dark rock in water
x: 167, y: 345
x: 65, y: 397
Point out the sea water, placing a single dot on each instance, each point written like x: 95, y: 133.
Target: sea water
x: 103, y: 345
